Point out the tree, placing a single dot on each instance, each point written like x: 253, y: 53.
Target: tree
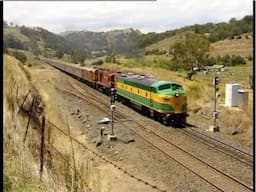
x: 12, y: 42
x: 59, y: 54
x: 78, y: 56
x: 191, y: 53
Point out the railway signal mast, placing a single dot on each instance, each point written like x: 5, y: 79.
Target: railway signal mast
x: 215, y: 114
x: 112, y: 108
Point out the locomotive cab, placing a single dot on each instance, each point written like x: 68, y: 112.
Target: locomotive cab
x: 173, y: 101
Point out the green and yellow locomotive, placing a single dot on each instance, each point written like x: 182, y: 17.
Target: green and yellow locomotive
x: 164, y: 100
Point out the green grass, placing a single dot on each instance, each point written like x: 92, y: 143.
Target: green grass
x: 32, y: 60
x: 14, y: 31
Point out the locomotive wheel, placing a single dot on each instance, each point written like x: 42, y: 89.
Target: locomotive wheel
x: 165, y: 120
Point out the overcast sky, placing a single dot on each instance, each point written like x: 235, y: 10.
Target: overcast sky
x: 147, y: 16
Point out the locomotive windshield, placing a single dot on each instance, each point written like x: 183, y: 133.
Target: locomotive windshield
x: 172, y: 86
x: 176, y: 87
x: 165, y: 86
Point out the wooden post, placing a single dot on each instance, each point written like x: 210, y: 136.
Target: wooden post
x: 42, y: 148
x: 31, y: 111
x: 49, y: 134
x: 24, y: 101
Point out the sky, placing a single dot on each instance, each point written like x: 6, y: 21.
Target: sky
x: 146, y: 16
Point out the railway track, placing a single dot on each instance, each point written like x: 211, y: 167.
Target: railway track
x: 221, y: 146
x: 213, y: 176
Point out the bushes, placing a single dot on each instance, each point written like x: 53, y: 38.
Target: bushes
x: 226, y: 60
x: 155, y: 52
x: 98, y: 62
x: 19, y: 56
x: 237, y: 59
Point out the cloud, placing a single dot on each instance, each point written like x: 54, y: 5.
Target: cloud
x: 160, y: 15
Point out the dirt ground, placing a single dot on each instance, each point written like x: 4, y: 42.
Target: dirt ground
x: 138, y: 158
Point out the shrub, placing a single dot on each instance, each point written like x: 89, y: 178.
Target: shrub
x: 98, y: 62
x: 249, y: 57
x: 211, y: 61
x: 237, y: 59
x: 19, y: 56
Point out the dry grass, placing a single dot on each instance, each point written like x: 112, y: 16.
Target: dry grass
x: 20, y: 168
x: 168, y: 42
x: 241, y: 47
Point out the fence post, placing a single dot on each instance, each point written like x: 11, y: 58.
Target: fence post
x: 49, y: 134
x: 24, y: 101
x: 42, y: 148
x: 31, y: 110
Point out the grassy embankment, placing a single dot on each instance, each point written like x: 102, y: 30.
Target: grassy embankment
x: 20, y: 167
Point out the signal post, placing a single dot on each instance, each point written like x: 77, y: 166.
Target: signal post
x: 112, y: 108
x: 215, y: 114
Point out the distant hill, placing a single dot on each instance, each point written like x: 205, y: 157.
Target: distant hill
x: 214, y: 31
x: 41, y: 41
x: 233, y: 37
x: 115, y: 42
x: 37, y: 40
x: 242, y: 47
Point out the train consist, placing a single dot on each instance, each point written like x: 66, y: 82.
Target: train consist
x: 162, y: 100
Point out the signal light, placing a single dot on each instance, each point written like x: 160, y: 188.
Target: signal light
x: 216, y: 81
x: 113, y: 95
x: 112, y: 91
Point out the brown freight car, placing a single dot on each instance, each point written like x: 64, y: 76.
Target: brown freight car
x: 90, y: 75
x: 106, y: 80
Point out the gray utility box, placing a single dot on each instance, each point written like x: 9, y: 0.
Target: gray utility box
x: 232, y: 96
x: 243, y: 103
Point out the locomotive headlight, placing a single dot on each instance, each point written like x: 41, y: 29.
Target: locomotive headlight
x: 176, y: 94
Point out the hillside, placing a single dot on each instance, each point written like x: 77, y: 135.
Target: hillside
x: 242, y: 47
x: 79, y: 44
x: 111, y: 42
x: 232, y: 38
x: 36, y: 39
x: 167, y: 43
x: 213, y: 31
